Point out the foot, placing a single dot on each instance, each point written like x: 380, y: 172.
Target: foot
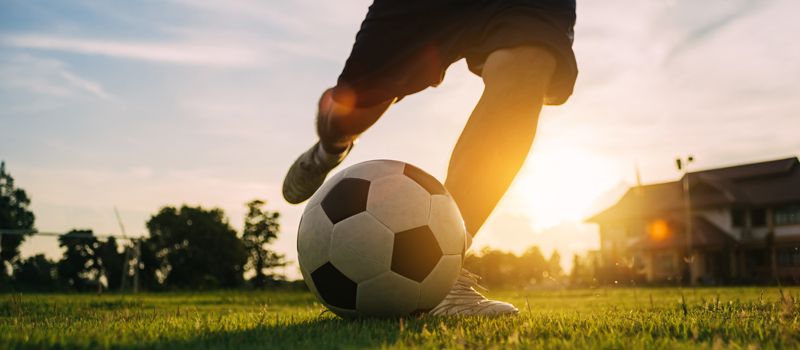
x: 463, y: 300
x: 308, y: 173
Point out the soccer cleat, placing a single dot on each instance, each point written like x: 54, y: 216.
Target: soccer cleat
x: 463, y: 300
x: 308, y: 173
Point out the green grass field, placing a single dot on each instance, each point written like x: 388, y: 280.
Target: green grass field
x: 642, y: 318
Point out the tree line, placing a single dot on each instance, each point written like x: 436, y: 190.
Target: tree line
x: 507, y: 270
x: 196, y: 248
x: 187, y: 248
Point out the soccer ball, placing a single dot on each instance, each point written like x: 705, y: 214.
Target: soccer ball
x: 381, y: 239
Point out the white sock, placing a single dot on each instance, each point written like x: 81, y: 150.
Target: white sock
x: 331, y: 160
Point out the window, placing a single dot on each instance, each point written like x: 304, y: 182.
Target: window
x: 787, y: 215
x: 788, y: 256
x: 738, y: 217
x: 758, y: 217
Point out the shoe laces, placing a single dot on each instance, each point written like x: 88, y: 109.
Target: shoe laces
x: 310, y: 169
x: 467, y: 286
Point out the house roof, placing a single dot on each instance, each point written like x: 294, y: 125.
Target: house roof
x: 704, y: 234
x: 758, y: 184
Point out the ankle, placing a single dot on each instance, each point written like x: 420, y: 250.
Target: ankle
x: 323, y: 156
x: 335, y: 147
x: 332, y: 139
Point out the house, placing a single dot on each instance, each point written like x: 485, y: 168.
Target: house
x: 744, y: 224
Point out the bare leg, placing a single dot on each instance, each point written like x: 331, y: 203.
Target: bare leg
x: 339, y: 124
x: 499, y: 134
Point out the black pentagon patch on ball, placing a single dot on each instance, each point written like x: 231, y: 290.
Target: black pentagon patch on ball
x: 416, y: 252
x: 345, y: 199
x: 334, y: 287
x: 427, y: 181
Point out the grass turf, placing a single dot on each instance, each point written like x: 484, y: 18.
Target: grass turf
x: 641, y: 318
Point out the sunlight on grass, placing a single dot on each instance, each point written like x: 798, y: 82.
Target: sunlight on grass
x: 599, y: 318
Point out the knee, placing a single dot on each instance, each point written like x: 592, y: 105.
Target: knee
x: 518, y: 67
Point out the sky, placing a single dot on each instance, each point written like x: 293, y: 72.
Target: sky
x: 144, y: 104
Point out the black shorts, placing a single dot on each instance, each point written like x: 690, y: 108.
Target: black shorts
x: 404, y: 46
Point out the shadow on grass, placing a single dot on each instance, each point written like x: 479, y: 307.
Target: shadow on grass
x: 321, y: 333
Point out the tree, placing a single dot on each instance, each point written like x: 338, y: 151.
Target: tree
x: 507, y: 270
x: 260, y: 229
x: 554, y: 265
x: 150, y: 277
x: 14, y: 215
x: 37, y: 273
x: 575, y: 274
x: 498, y: 268
x: 80, y: 264
x: 112, y: 262
x: 533, y: 265
x: 86, y: 259
x: 196, y: 248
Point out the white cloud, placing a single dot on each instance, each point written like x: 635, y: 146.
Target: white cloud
x: 44, y: 77
x: 211, y: 53
x: 90, y: 86
x: 303, y: 17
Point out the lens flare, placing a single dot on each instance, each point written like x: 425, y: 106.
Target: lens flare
x: 342, y: 101
x: 659, y: 230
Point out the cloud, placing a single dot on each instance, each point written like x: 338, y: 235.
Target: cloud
x: 299, y: 17
x: 84, y: 84
x: 693, y: 23
x: 44, y: 77
x: 215, y: 54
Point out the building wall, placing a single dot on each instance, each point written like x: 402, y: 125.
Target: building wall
x: 612, y: 236
x: 721, y: 217
x: 787, y: 230
x: 758, y: 233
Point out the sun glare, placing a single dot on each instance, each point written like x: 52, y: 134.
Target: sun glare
x: 659, y: 230
x: 562, y: 184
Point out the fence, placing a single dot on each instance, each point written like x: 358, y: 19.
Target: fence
x: 134, y: 248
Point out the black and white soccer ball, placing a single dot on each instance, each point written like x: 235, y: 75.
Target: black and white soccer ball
x: 381, y: 239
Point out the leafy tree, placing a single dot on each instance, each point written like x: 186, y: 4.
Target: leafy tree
x: 260, y: 229
x: 112, y: 262
x: 86, y: 259
x: 499, y: 267
x: 80, y: 264
x: 554, y: 265
x: 14, y: 215
x: 36, y: 273
x: 533, y: 265
x: 575, y: 274
x: 583, y: 269
x: 149, y: 266
x: 507, y: 270
x: 196, y: 248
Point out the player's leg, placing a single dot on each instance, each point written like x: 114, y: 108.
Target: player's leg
x: 390, y: 59
x: 339, y: 123
x: 498, y: 136
x: 490, y: 152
